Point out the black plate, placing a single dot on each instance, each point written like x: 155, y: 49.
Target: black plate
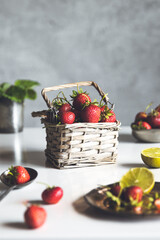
x: 96, y: 198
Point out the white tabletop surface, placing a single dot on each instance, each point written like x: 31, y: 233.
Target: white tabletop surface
x: 71, y: 218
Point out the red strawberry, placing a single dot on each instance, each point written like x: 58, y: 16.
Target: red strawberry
x: 141, y: 116
x: 66, y: 107
x: 52, y: 195
x: 154, y: 119
x: 103, y: 108
x: 157, y: 203
x: 35, y: 216
x: 77, y: 114
x: 137, y: 209
x: 143, y: 125
x: 108, y: 115
x: 115, y: 190
x: 80, y: 100
x: 91, y: 114
x: 132, y: 193
x: 67, y: 117
x: 18, y: 174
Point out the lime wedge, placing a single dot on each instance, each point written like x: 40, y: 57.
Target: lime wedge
x: 141, y: 177
x: 151, y: 157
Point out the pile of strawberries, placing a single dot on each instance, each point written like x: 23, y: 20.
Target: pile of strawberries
x: 131, y: 198
x: 81, y: 109
x: 149, y: 120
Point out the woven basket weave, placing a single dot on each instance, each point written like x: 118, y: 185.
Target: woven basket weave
x: 80, y: 144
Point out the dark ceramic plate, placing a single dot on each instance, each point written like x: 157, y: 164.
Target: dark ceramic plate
x: 96, y: 199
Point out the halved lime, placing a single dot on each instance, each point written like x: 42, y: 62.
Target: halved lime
x: 151, y: 157
x: 141, y: 177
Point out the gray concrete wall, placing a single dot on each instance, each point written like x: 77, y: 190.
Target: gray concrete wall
x: 113, y: 42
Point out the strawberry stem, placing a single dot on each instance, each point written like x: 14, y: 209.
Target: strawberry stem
x: 47, y: 185
x: 148, y: 106
x: 102, y: 99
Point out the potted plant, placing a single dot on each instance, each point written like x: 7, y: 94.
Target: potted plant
x: 12, y: 98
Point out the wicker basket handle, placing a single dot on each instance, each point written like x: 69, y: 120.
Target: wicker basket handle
x: 69, y: 85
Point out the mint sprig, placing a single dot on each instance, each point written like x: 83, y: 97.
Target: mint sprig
x: 19, y: 91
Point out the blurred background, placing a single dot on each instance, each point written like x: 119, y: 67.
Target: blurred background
x: 114, y: 43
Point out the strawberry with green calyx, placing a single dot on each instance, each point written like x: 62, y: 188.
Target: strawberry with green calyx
x: 141, y: 126
x: 18, y: 175
x: 35, y: 216
x: 132, y: 194
x: 154, y: 119
x: 91, y: 113
x: 61, y: 103
x: 107, y: 115
x: 142, y: 116
x: 52, y: 195
x: 80, y: 98
x: 103, y: 108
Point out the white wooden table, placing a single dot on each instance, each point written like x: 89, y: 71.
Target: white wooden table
x: 71, y: 218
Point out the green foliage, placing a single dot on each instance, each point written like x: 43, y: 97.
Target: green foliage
x: 18, y: 92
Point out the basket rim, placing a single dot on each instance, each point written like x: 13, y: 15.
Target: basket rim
x: 83, y: 124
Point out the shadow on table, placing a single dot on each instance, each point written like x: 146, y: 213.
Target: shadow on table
x: 12, y: 157
x: 126, y: 138
x: 81, y: 206
x: 15, y: 225
x: 132, y: 165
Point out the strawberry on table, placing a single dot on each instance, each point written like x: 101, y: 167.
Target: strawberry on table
x: 52, y: 195
x: 91, y: 114
x: 18, y: 174
x: 35, y: 216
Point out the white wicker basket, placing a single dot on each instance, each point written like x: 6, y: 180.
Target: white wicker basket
x: 80, y: 144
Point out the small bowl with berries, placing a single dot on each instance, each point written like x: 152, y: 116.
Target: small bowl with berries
x: 146, y: 127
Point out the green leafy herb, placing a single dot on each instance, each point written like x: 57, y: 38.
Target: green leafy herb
x: 19, y: 91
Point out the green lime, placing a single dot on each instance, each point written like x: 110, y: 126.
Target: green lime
x: 151, y: 157
x: 141, y: 177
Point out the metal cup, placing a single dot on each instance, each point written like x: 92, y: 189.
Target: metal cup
x: 11, y: 116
